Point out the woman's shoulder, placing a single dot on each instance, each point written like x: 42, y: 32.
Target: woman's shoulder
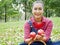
x: 26, y: 22
x: 47, y: 20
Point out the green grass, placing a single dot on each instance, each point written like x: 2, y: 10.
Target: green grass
x: 10, y: 32
x: 56, y: 28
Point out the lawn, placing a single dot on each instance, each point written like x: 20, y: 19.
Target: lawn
x: 11, y: 32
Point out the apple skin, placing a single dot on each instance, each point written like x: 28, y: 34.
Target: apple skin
x: 40, y: 32
x: 32, y: 35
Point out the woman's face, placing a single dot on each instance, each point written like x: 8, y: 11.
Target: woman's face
x: 37, y: 10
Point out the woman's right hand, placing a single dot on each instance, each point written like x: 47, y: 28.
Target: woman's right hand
x: 28, y: 40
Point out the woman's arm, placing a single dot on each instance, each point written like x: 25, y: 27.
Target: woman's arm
x: 48, y: 30
x: 26, y: 30
x: 47, y: 33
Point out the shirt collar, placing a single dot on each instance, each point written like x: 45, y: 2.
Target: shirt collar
x: 43, y: 19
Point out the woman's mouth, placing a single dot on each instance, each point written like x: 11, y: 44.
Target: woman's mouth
x: 37, y: 14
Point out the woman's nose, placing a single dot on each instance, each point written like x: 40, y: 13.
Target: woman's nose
x: 37, y: 11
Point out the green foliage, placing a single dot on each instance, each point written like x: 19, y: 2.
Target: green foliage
x: 51, y: 8
x: 7, y: 9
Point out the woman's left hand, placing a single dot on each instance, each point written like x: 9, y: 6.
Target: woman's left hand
x: 44, y: 39
x: 38, y: 37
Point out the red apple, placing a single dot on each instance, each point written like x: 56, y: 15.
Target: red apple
x: 32, y: 34
x: 40, y: 32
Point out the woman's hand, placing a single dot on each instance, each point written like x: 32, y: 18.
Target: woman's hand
x: 38, y: 37
x: 44, y: 39
x: 28, y: 40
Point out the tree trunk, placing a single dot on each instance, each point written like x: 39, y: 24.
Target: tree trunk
x: 46, y: 13
x: 5, y: 13
x: 25, y: 10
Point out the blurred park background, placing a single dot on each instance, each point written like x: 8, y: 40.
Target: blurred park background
x: 14, y: 13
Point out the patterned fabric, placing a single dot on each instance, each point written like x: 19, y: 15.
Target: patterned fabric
x: 46, y: 25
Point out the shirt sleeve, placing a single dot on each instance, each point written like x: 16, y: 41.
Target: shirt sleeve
x: 48, y: 30
x: 26, y: 30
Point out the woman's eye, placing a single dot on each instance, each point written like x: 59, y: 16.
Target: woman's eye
x: 35, y: 8
x: 40, y: 8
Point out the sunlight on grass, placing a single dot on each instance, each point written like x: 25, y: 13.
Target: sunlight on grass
x: 10, y: 33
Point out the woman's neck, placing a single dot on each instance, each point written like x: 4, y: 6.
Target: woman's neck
x: 38, y: 19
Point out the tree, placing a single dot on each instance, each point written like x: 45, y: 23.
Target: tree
x: 5, y: 4
x: 27, y: 5
x: 51, y: 4
x: 7, y: 9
